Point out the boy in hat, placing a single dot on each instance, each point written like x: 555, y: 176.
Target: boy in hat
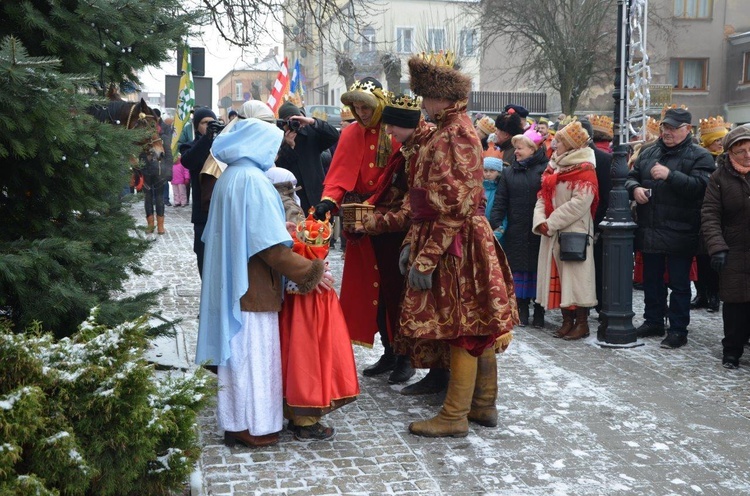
x: 459, y: 298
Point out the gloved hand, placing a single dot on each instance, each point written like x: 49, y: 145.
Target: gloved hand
x: 403, y: 259
x: 214, y: 128
x: 417, y: 280
x: 719, y: 260
x: 322, y: 208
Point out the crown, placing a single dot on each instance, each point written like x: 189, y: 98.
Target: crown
x: 652, y: 129
x: 671, y: 107
x: 404, y: 102
x: 440, y: 59
x: 603, y: 124
x: 486, y: 125
x: 314, y: 232
x: 573, y: 135
x: 713, y: 125
x: 346, y: 113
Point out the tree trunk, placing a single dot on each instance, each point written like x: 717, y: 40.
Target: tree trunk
x: 346, y: 68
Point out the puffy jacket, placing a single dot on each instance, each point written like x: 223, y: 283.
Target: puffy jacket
x: 669, y: 222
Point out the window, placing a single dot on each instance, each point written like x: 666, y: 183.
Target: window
x: 468, y: 42
x: 238, y: 90
x: 403, y: 40
x: 435, y: 39
x: 688, y: 74
x: 746, y: 69
x: 693, y: 9
x: 368, y: 39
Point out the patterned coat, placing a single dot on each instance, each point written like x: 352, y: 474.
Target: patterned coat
x: 471, y: 303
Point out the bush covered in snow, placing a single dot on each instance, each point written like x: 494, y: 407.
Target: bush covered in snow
x: 87, y: 415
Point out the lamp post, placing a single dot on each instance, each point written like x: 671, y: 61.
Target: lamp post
x: 616, y: 329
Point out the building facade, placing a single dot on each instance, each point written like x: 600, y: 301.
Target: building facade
x: 250, y: 82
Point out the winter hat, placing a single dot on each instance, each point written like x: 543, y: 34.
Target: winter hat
x: 520, y: 110
x: 740, y: 133
x: 257, y: 109
x: 433, y: 76
x: 231, y: 114
x: 402, y: 111
x: 573, y: 136
x: 510, y: 122
x: 200, y: 114
x: 287, y: 110
x: 712, y: 129
x: 531, y: 137
x: 486, y: 125
x: 493, y: 163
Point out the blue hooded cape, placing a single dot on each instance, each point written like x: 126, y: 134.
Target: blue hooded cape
x: 246, y: 217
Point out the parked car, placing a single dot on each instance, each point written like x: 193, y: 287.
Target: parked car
x: 328, y: 113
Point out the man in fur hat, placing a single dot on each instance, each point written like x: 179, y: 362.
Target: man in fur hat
x: 510, y: 123
x: 357, y: 166
x: 459, y: 299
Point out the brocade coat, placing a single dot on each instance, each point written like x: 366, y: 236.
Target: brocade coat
x: 471, y: 302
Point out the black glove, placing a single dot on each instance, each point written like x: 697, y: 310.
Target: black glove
x: 719, y: 260
x: 417, y: 280
x: 322, y: 208
x: 213, y: 128
x: 403, y: 259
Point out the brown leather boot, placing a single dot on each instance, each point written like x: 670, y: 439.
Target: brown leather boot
x: 149, y: 224
x: 581, y: 329
x: 452, y: 418
x: 567, y: 325
x: 483, y: 409
x: 160, y: 224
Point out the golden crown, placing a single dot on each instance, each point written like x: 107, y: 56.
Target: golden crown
x: 440, y: 59
x: 713, y: 125
x: 652, y: 128
x: 346, y: 113
x: 671, y: 107
x: 603, y: 124
x: 404, y: 102
x: 314, y: 232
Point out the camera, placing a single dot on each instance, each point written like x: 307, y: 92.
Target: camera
x: 214, y: 128
x: 293, y: 125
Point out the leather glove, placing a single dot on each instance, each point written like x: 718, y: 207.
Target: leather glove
x: 403, y: 259
x: 322, y: 208
x: 719, y: 260
x: 417, y: 280
x: 214, y: 127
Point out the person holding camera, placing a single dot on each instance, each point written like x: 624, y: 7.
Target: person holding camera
x: 305, y: 138
x: 194, y: 155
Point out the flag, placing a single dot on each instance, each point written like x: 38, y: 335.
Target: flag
x: 295, y: 85
x: 185, y: 99
x: 280, y: 88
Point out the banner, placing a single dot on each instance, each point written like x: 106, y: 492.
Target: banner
x: 280, y: 88
x: 295, y: 86
x: 185, y: 100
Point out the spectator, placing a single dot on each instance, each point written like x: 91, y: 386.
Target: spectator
x: 180, y: 183
x: 157, y: 172
x: 510, y: 123
x: 484, y: 127
x: 668, y: 181
x: 725, y: 225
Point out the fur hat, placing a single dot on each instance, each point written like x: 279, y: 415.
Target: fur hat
x: 486, y: 125
x: 433, y: 76
x: 511, y: 122
x: 573, y: 136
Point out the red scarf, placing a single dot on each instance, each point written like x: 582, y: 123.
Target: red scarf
x: 581, y: 176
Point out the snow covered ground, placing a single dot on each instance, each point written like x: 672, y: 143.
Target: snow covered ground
x: 575, y: 419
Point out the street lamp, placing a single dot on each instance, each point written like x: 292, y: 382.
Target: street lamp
x: 616, y: 329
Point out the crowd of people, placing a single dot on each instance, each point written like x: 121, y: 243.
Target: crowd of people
x: 461, y: 228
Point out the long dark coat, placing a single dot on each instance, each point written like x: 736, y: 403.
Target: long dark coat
x: 515, y: 198
x: 725, y: 225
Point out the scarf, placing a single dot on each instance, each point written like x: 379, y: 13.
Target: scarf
x: 741, y: 169
x: 576, y: 169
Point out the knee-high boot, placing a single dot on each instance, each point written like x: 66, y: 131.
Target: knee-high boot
x: 149, y: 224
x: 483, y: 408
x: 452, y: 418
x: 581, y: 329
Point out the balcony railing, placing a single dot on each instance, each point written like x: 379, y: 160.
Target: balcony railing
x: 493, y: 102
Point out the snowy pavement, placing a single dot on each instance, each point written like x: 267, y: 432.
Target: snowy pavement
x: 575, y: 419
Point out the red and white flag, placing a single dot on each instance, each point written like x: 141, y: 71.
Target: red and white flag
x: 280, y: 88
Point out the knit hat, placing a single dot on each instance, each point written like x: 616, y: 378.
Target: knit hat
x: 200, y: 114
x: 346, y: 114
x: 531, y: 137
x: 287, y: 110
x: 511, y: 122
x: 740, y: 133
x: 493, y: 163
x: 573, y: 136
x: 232, y: 113
x: 433, y: 76
x: 486, y: 125
x: 402, y: 111
x: 712, y: 129
x: 257, y: 109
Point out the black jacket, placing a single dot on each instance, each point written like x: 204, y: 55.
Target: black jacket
x: 515, y: 198
x: 304, y: 160
x: 604, y: 178
x: 194, y: 155
x: 670, y: 222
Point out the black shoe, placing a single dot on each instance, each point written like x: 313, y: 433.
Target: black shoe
x: 647, y: 330
x: 713, y: 303
x: 674, y: 340
x: 315, y: 432
x: 384, y: 364
x: 167, y: 204
x: 730, y: 362
x: 434, y: 382
x: 402, y: 372
x: 538, y: 320
x: 700, y: 301
x: 523, y: 312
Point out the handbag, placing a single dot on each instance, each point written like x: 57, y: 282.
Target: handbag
x: 573, y: 246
